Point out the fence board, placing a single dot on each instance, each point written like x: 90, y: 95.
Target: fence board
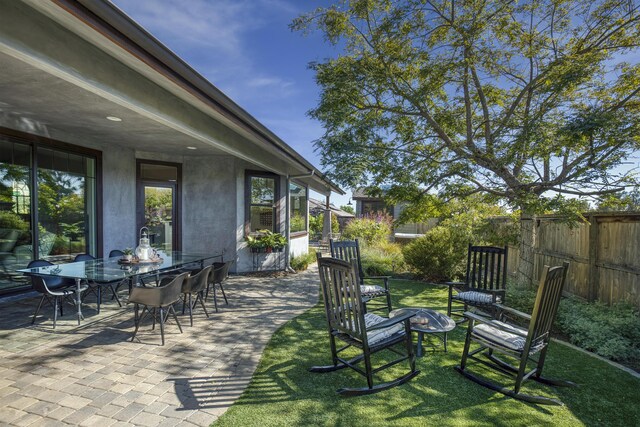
x: 604, y: 255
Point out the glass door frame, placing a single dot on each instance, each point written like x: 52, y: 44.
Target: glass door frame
x: 176, y: 219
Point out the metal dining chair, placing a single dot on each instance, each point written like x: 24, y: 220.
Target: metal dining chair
x: 195, y: 284
x: 157, y: 302
x: 96, y: 288
x: 55, y: 292
x: 219, y: 274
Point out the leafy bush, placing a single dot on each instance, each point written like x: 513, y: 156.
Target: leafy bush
x: 609, y: 331
x: 302, y: 262
x: 12, y: 221
x: 316, y: 224
x: 384, y: 259
x: 439, y: 255
x: 370, y: 230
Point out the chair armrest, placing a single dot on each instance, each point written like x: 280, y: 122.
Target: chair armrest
x: 392, y: 321
x: 451, y: 284
x: 504, y: 308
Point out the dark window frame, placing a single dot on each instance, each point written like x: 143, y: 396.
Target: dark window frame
x: 248, y: 174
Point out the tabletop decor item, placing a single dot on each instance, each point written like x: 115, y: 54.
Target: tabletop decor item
x: 144, y: 251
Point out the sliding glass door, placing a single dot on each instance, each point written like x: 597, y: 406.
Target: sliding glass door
x: 48, y: 205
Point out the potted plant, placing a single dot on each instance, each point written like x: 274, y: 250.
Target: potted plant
x: 127, y: 254
x: 255, y: 243
x: 266, y: 241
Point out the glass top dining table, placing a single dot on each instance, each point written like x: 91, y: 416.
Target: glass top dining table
x: 105, y: 270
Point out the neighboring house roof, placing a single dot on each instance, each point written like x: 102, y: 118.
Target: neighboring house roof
x: 361, y: 193
x: 85, y: 59
x: 316, y: 207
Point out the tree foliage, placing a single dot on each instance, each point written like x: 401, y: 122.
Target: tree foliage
x: 530, y: 102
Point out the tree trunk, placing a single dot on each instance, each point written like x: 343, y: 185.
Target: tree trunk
x: 528, y: 243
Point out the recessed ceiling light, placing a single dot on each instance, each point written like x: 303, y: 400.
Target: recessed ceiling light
x: 114, y: 118
x: 192, y: 148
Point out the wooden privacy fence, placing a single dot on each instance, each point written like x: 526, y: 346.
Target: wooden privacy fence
x: 604, y: 255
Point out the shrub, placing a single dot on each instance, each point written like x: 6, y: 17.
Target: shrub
x: 316, y: 224
x: 384, y: 259
x: 302, y: 262
x: 609, y: 331
x: 370, y: 231
x: 439, y: 255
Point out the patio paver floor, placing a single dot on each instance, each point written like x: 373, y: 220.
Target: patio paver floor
x: 93, y: 374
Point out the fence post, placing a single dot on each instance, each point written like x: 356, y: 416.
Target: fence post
x: 594, y: 276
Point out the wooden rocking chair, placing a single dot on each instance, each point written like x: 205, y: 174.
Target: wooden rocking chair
x: 368, y: 332
x: 485, y: 282
x: 349, y: 250
x: 524, y: 345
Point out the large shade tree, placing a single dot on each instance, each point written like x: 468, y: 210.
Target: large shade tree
x: 535, y: 103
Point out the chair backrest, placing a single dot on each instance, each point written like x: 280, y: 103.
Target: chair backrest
x: 83, y: 257
x: 220, y: 271
x: 172, y: 291
x: 547, y: 301
x: 39, y: 285
x: 52, y: 282
x: 196, y: 281
x: 116, y: 253
x: 159, y: 296
x: 347, y: 250
x: 342, y: 299
x: 486, y: 268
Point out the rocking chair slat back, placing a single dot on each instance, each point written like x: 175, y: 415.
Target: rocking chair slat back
x: 547, y: 301
x: 341, y: 293
x: 347, y: 250
x: 486, y: 267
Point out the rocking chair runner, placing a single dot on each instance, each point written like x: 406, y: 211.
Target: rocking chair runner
x: 485, y: 281
x: 348, y: 322
x: 523, y: 345
x: 349, y: 250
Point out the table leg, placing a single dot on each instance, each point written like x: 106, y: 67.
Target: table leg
x: 79, y: 300
x: 420, y: 339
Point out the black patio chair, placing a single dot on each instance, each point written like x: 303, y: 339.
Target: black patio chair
x: 96, y: 288
x: 194, y: 284
x: 54, y: 290
x: 116, y: 253
x: 349, y: 250
x: 484, y: 284
x: 219, y: 274
x: 158, y: 302
x: 348, y: 322
x: 523, y: 345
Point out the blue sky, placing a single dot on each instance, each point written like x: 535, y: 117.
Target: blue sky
x: 246, y: 49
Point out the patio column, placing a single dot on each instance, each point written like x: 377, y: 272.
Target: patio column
x: 326, y: 226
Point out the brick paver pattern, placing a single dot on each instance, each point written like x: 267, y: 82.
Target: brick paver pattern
x: 93, y: 374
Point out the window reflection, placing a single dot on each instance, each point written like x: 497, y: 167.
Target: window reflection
x: 15, y: 212
x: 66, y: 199
x: 298, y: 203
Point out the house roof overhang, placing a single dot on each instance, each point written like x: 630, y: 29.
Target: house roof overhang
x: 69, y: 64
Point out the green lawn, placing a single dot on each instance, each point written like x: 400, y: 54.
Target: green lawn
x: 283, y: 392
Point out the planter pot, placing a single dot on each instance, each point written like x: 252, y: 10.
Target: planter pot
x: 127, y: 257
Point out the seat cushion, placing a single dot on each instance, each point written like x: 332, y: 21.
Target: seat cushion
x: 378, y: 335
x: 372, y: 290
x: 506, y: 337
x: 477, y: 297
